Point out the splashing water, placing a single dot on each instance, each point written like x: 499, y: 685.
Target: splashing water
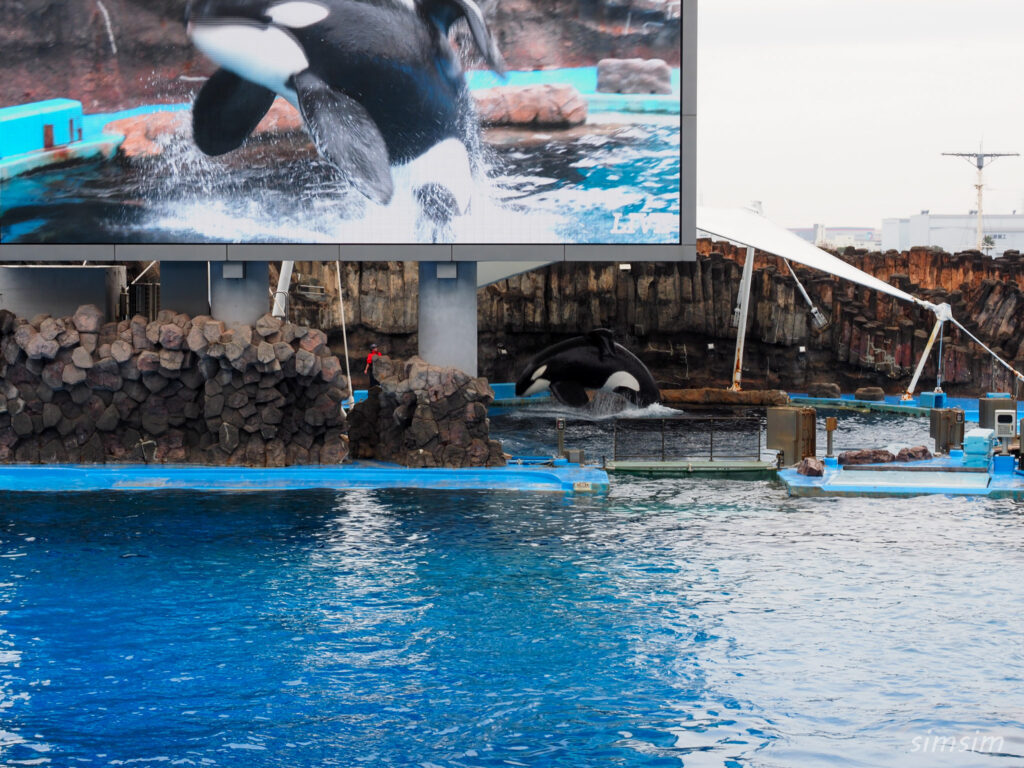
x: 578, y: 188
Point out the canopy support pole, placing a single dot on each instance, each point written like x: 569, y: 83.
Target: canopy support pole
x: 344, y: 338
x: 909, y: 394
x: 1019, y: 376
x: 817, y: 319
x: 740, y: 318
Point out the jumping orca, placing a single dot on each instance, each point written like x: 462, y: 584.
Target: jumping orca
x: 593, y: 361
x: 376, y: 81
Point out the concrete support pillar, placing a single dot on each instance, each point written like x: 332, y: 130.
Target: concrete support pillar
x: 239, y: 291
x: 447, y: 322
x: 184, y: 287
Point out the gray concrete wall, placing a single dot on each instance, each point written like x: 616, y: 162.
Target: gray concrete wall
x: 184, y: 287
x: 239, y: 301
x: 447, y: 322
x: 59, y: 290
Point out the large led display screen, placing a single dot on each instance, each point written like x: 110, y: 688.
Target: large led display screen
x: 340, y: 121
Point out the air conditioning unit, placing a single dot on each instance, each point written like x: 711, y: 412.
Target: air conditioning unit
x: 1006, y: 424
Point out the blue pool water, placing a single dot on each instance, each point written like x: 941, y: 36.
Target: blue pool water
x: 674, y: 622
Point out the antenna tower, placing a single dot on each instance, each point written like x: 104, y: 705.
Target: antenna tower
x: 980, y: 160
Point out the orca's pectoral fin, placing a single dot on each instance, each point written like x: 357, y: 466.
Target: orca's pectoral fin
x: 446, y: 12
x: 226, y: 111
x: 604, y: 340
x: 346, y: 136
x: 569, y: 393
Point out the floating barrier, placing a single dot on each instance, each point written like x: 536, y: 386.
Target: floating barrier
x: 734, y: 469
x: 530, y: 474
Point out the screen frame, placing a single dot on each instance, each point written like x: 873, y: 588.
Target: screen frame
x: 684, y: 250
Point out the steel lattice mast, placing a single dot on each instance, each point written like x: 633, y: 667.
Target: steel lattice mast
x: 981, y: 159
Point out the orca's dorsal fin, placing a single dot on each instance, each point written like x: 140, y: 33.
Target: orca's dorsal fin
x: 444, y: 13
x: 346, y: 136
x: 604, y: 340
x: 226, y: 111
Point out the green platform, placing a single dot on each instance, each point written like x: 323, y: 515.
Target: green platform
x: 738, y: 469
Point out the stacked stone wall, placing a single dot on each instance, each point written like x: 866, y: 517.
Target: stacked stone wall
x: 177, y: 390
x: 423, y: 415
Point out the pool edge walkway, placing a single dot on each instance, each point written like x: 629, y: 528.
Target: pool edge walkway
x: 529, y: 477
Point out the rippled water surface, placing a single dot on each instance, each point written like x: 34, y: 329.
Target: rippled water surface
x: 673, y: 622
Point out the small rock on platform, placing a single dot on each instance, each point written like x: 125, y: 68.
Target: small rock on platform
x: 870, y: 394
x: 917, y: 453
x: 811, y: 467
x: 850, y: 458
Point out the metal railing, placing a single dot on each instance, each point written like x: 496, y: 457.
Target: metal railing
x: 707, y: 438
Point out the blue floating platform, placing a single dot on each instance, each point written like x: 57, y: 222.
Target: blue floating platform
x: 543, y: 475
x: 46, y: 133
x: 942, y: 476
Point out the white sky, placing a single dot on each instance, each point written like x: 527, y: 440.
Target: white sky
x: 837, y: 111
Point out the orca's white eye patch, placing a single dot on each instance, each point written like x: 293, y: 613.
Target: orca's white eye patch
x: 538, y: 373
x: 296, y: 14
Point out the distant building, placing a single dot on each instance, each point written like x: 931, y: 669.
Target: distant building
x: 838, y: 238
x: 954, y: 232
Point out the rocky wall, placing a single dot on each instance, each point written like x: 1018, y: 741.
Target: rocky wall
x: 678, y: 318
x: 669, y: 314
x: 114, y: 54
x: 178, y: 390
x: 424, y: 415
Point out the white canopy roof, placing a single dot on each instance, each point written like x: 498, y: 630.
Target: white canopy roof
x: 743, y: 226
x: 748, y: 228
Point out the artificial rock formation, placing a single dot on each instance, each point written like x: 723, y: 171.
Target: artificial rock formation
x: 811, y: 467
x: 634, y: 76
x: 677, y: 317
x: 870, y: 394
x: 824, y: 389
x: 531, y: 106
x: 917, y: 453
x: 423, y: 415
x: 866, y: 456
x: 179, y: 389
